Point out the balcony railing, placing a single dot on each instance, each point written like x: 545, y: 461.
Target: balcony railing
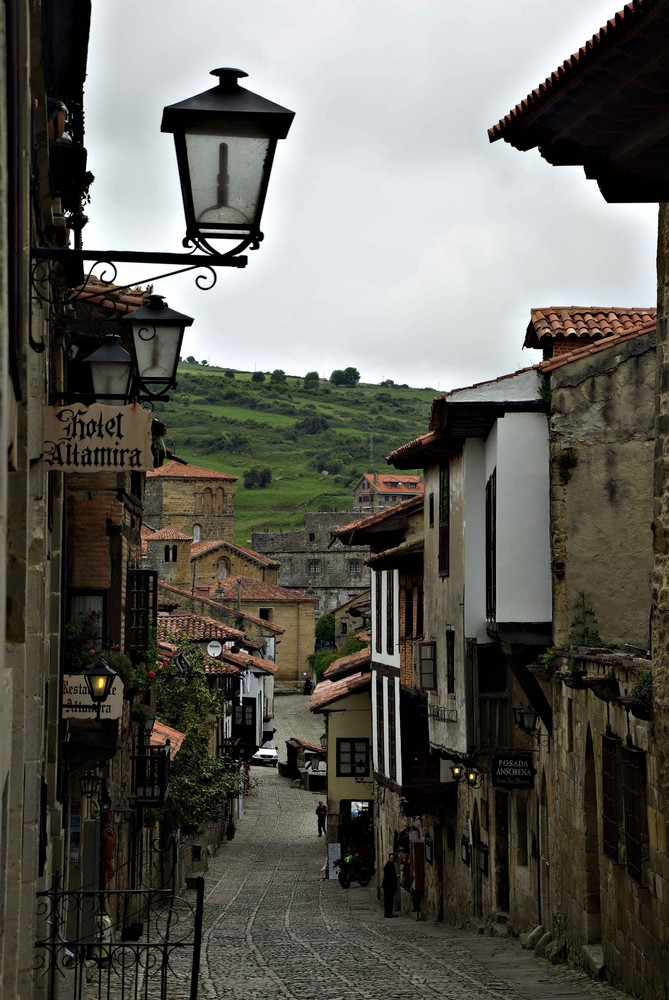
x: 151, y: 775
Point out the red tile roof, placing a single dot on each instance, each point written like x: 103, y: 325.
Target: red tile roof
x: 219, y: 608
x: 327, y: 692
x: 404, y: 506
x: 199, y: 549
x: 183, y: 470
x: 100, y: 293
x: 161, y: 732
x: 217, y: 667
x: 592, y: 322
x: 578, y: 65
x: 394, y: 482
x: 244, y: 661
x: 164, y: 533
x: 353, y: 663
x: 254, y: 590
x: 585, y: 350
x: 195, y: 627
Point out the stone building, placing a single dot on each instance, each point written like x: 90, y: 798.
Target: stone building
x: 377, y: 490
x: 197, y: 502
x: 314, y: 561
x: 615, y: 771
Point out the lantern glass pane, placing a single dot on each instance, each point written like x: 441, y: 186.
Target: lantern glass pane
x: 111, y: 378
x: 156, y: 351
x: 226, y: 175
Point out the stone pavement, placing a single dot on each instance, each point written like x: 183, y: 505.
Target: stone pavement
x: 274, y: 928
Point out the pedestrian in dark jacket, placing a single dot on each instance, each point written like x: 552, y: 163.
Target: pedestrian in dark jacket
x: 321, y: 815
x: 389, y: 885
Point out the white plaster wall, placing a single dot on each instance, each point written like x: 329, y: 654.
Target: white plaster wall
x: 523, y: 517
x: 398, y: 728
x: 475, y: 480
x: 388, y: 659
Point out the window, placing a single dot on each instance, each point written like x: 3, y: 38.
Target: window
x: 352, y: 758
x: 312, y: 536
x: 430, y: 506
x: 87, y: 613
x: 196, y: 532
x: 378, y: 597
x: 491, y: 547
x: 354, y: 567
x: 168, y: 553
x: 344, y: 628
x: 175, y: 552
x: 365, y: 498
x: 444, y: 516
x: 141, y: 608
x: 450, y: 659
x: 427, y: 672
x: 314, y: 566
x: 408, y: 612
x: 634, y: 803
x: 265, y: 614
x: 610, y: 801
x: 207, y: 501
x: 390, y: 612
x: 380, y: 726
x: 222, y: 569
x: 493, y: 721
x: 392, y: 731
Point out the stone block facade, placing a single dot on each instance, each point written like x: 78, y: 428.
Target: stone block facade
x: 197, y: 502
x: 314, y: 562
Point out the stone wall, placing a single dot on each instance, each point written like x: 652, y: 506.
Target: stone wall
x: 602, y: 442
x: 341, y: 571
x: 184, y: 504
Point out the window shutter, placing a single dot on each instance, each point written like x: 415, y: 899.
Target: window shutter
x: 141, y: 609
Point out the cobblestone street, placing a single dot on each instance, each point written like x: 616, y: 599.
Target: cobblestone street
x: 274, y: 928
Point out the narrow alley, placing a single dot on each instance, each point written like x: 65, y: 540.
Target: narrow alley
x: 274, y: 928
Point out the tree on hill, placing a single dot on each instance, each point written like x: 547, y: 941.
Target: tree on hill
x: 311, y: 380
x: 229, y: 373
x: 278, y: 376
x: 258, y: 377
x: 347, y: 376
x: 190, y: 360
x: 312, y: 425
x: 257, y: 478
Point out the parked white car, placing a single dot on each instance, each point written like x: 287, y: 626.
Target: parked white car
x: 266, y: 754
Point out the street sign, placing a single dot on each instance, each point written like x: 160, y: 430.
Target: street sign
x: 513, y: 771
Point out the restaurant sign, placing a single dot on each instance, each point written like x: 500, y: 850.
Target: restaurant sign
x: 78, y: 704
x: 513, y: 771
x: 97, y: 438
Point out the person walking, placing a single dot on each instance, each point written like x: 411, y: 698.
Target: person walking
x: 389, y: 885
x: 321, y: 815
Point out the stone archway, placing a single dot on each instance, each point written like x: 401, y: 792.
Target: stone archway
x: 592, y: 908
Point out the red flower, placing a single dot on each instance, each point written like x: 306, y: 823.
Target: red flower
x: 152, y: 674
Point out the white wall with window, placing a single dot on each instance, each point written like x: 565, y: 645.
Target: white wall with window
x: 386, y: 727
x: 385, y: 617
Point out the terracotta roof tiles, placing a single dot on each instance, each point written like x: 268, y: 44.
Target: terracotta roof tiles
x: 585, y: 321
x: 195, y: 627
x: 248, y: 589
x: 404, y: 506
x: 327, y: 692
x: 184, y: 470
x: 199, y: 549
x: 577, y: 65
x: 353, y: 663
x: 161, y: 732
x: 220, y: 609
x: 394, y: 482
x: 167, y: 533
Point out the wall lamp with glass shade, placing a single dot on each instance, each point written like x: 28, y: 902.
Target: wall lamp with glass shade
x: 99, y: 678
x: 225, y: 140
x: 527, y: 720
x: 467, y: 773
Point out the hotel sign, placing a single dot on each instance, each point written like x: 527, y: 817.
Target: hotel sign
x: 513, y: 771
x: 78, y: 704
x: 97, y: 438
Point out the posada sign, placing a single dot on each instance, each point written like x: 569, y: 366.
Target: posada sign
x: 513, y: 771
x: 97, y: 438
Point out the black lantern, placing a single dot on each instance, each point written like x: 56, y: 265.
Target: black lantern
x: 99, y: 678
x: 225, y: 140
x: 89, y: 783
x: 526, y: 719
x: 157, y: 334
x: 458, y: 771
x: 111, y: 370
x: 473, y: 777
x: 323, y: 741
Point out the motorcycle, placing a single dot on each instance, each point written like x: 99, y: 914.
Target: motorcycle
x: 353, y: 868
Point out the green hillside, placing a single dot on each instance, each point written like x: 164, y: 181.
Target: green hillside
x: 316, y: 442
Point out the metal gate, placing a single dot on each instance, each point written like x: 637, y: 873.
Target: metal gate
x: 125, y: 944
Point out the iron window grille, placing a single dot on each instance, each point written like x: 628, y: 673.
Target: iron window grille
x: 634, y: 800
x: 610, y: 797
x: 151, y: 774
x: 141, y: 609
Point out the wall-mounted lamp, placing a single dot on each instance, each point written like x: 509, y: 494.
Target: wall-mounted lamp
x: 360, y: 771
x: 467, y: 773
x: 99, y: 678
x: 157, y: 335
x: 225, y: 140
x: 324, y: 741
x: 89, y: 783
x: 527, y: 720
x: 111, y: 370
x: 465, y: 850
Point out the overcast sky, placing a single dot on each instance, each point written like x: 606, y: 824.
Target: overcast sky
x: 397, y: 239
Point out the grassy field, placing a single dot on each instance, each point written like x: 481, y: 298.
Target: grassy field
x: 316, y: 443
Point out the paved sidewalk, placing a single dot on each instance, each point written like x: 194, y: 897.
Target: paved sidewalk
x: 274, y: 928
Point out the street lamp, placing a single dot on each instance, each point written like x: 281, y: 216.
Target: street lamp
x: 89, y: 784
x: 111, y: 370
x: 99, y: 678
x: 525, y: 719
x: 225, y: 139
x: 157, y: 334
